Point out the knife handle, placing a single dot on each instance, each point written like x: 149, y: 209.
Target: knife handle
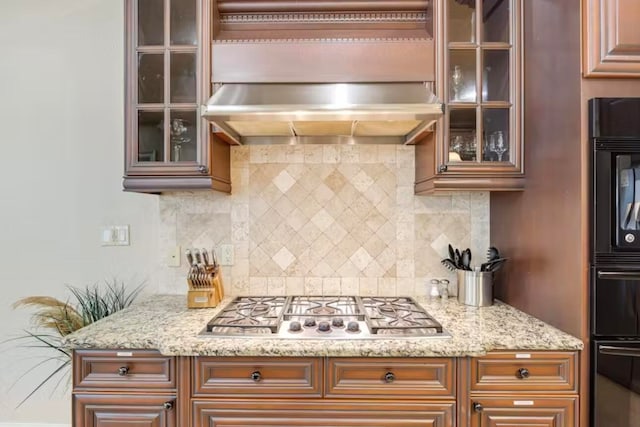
x: 196, y: 252
x: 189, y: 256
x: 214, y: 258
x: 205, y: 257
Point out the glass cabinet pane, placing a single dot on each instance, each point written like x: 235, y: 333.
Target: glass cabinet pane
x: 183, y: 134
x: 495, y: 75
x: 183, y: 22
x: 462, y: 135
x: 496, y: 135
x: 183, y: 77
x: 150, y: 78
x: 461, y: 23
x: 495, y: 20
x: 150, y: 22
x: 462, y: 76
x: 150, y: 136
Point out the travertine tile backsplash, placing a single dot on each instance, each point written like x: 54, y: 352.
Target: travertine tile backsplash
x: 323, y: 219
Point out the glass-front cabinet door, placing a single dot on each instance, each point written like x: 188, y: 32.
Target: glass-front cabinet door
x: 481, y: 77
x: 164, y: 129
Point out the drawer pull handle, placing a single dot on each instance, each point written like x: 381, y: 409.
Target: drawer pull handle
x: 167, y: 406
x: 389, y: 377
x: 256, y: 376
x: 523, y: 373
x: 477, y: 407
x: 123, y: 370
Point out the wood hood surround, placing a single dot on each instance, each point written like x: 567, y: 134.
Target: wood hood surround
x: 320, y: 41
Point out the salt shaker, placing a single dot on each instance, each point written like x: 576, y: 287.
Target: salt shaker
x: 433, y: 293
x: 444, y: 288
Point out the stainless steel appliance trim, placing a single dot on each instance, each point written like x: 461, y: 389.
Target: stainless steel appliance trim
x: 628, y: 275
x: 619, y: 351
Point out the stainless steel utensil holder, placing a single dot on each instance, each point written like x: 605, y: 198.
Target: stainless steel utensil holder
x: 475, y: 288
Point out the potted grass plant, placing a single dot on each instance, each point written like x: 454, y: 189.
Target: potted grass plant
x: 53, y: 319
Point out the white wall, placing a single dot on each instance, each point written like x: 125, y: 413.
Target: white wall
x: 61, y: 164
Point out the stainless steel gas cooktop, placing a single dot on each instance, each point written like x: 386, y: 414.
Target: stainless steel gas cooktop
x: 317, y: 317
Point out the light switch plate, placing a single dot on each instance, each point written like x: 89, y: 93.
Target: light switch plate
x: 115, y: 235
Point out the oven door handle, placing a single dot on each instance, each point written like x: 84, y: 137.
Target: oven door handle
x: 624, y: 275
x: 619, y: 351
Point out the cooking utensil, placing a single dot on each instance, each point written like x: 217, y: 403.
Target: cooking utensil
x: 205, y: 257
x: 196, y: 253
x: 466, y: 259
x: 493, y: 253
x: 493, y: 265
x: 452, y: 254
x: 449, y: 264
x: 456, y: 259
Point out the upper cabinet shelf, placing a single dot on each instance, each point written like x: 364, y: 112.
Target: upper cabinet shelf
x: 168, y: 145
x: 610, y: 39
x: 479, y: 71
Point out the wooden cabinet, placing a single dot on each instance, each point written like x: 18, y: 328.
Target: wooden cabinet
x: 478, y: 144
x: 122, y: 409
x: 321, y: 392
x: 611, y: 38
x: 322, y: 413
x: 168, y: 146
x: 523, y: 388
x: 538, y: 412
x: 144, y: 388
x: 134, y: 388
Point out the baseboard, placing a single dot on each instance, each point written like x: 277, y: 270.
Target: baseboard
x: 32, y: 425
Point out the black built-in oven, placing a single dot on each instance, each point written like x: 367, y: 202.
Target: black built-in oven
x: 615, y: 262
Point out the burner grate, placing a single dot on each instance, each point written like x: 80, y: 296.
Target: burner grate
x: 398, y: 315
x: 249, y: 315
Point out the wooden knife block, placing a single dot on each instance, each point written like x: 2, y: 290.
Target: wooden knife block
x: 206, y: 290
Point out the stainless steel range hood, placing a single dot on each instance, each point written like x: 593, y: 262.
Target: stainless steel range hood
x: 323, y: 112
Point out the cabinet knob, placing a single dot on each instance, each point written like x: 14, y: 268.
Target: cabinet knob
x: 167, y: 406
x: 123, y: 370
x: 389, y: 377
x: 477, y: 407
x: 442, y: 168
x: 203, y: 169
x: 256, y: 376
x: 522, y: 373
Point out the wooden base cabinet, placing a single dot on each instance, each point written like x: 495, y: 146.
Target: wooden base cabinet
x: 121, y: 410
x: 142, y: 388
x: 269, y: 413
x: 523, y: 411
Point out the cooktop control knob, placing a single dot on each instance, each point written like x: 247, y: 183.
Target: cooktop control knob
x: 324, y: 327
x: 337, y: 322
x: 353, y: 326
x: 309, y: 322
x: 295, y: 326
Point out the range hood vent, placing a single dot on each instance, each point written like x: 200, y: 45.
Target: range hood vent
x: 294, y: 113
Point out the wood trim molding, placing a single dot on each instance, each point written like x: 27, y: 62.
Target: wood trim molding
x: 606, y: 52
x: 324, y: 17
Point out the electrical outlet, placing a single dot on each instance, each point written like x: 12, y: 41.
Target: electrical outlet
x: 225, y: 255
x: 173, y: 260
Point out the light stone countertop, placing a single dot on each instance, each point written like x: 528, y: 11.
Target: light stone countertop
x: 164, y: 322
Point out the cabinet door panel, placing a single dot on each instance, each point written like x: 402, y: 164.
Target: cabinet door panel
x: 121, y: 410
x: 321, y: 414
x: 258, y: 376
x: 505, y: 412
x: 612, y: 38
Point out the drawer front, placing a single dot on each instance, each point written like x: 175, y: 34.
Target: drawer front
x: 126, y: 369
x: 529, y: 372
x: 414, y: 378
x: 258, y: 376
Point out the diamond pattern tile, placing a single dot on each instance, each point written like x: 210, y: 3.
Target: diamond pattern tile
x: 301, y: 214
